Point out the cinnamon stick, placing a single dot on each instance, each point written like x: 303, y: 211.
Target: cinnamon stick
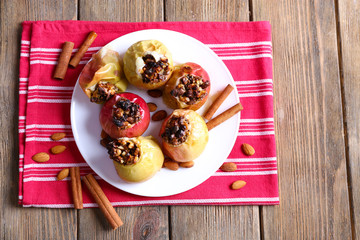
x: 224, y: 116
x: 219, y: 100
x: 76, y: 187
x: 63, y: 61
x: 82, y: 50
x: 103, y: 202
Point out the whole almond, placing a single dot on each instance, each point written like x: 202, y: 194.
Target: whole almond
x: 247, y: 149
x: 152, y: 106
x: 171, y: 165
x: 187, y: 164
x: 228, y: 167
x: 63, y: 174
x: 238, y: 184
x: 156, y: 93
x: 58, y: 136
x: 57, y: 149
x: 159, y: 115
x: 41, y: 157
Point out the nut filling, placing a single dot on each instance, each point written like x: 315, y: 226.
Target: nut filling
x: 153, y: 71
x: 190, y: 89
x: 103, y: 92
x: 125, y: 113
x: 177, y: 130
x: 125, y: 151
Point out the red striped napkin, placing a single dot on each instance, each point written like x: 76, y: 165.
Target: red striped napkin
x: 44, y: 108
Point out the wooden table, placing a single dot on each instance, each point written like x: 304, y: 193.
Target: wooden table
x: 316, y: 49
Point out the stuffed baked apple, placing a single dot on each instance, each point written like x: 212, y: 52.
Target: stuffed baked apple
x: 136, y: 159
x: 125, y: 115
x: 103, y: 77
x: 184, y: 134
x: 148, y: 64
x: 188, y: 87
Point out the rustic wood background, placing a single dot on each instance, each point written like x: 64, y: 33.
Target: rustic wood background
x: 316, y: 48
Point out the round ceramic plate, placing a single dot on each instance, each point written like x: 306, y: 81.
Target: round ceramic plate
x: 86, y: 127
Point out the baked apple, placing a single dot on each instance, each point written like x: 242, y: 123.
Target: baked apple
x: 136, y: 159
x: 103, y: 77
x: 148, y: 64
x: 125, y: 115
x: 188, y: 87
x: 184, y: 134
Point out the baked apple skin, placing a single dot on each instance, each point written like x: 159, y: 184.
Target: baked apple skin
x: 104, y: 68
x: 178, y: 95
x: 148, y: 58
x: 149, y: 163
x: 191, y: 143
x: 134, y: 129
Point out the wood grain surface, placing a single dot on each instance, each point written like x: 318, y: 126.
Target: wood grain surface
x: 316, y: 49
x: 349, y: 50
x: 310, y: 135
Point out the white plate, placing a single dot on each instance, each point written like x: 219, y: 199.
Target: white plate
x: 86, y: 127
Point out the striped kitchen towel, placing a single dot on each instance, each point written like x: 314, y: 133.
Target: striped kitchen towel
x: 44, y: 108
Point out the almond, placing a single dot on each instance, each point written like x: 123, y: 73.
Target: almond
x: 58, y: 136
x: 63, y: 174
x: 156, y: 93
x: 57, y: 149
x: 187, y: 164
x: 171, y: 165
x: 228, y: 167
x: 41, y: 157
x: 247, y: 149
x: 152, y: 106
x: 238, y: 184
x: 103, y: 134
x: 159, y: 115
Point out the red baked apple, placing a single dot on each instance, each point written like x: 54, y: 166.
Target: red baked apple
x: 188, y: 87
x: 184, y: 134
x: 125, y: 115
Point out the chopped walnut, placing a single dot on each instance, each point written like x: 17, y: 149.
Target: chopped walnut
x: 190, y: 89
x: 103, y: 91
x: 177, y: 130
x: 126, y: 151
x: 125, y: 113
x: 153, y: 71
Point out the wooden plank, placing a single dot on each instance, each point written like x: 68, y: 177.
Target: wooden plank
x: 139, y: 222
x: 212, y: 222
x: 309, y: 124
x: 349, y: 24
x: 17, y: 222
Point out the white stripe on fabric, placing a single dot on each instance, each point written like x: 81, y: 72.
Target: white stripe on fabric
x: 20, y: 197
x: 256, y: 133
x: 255, y: 94
x: 23, y: 79
x: 266, y: 48
x: 245, y: 173
x: 243, y: 57
x: 254, y: 81
x: 260, y: 168
x: 39, y: 139
x: 21, y: 156
x: 21, y: 130
x: 22, y: 117
x: 226, y: 45
x: 49, y: 100
x: 23, y: 92
x: 24, y: 55
x: 21, y: 169
x: 256, y: 120
x: 25, y: 42
x: 55, y: 165
x: 240, y: 160
x: 50, y: 62
x: 50, y: 87
x: 59, y: 49
x: 175, y: 201
x: 48, y: 126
